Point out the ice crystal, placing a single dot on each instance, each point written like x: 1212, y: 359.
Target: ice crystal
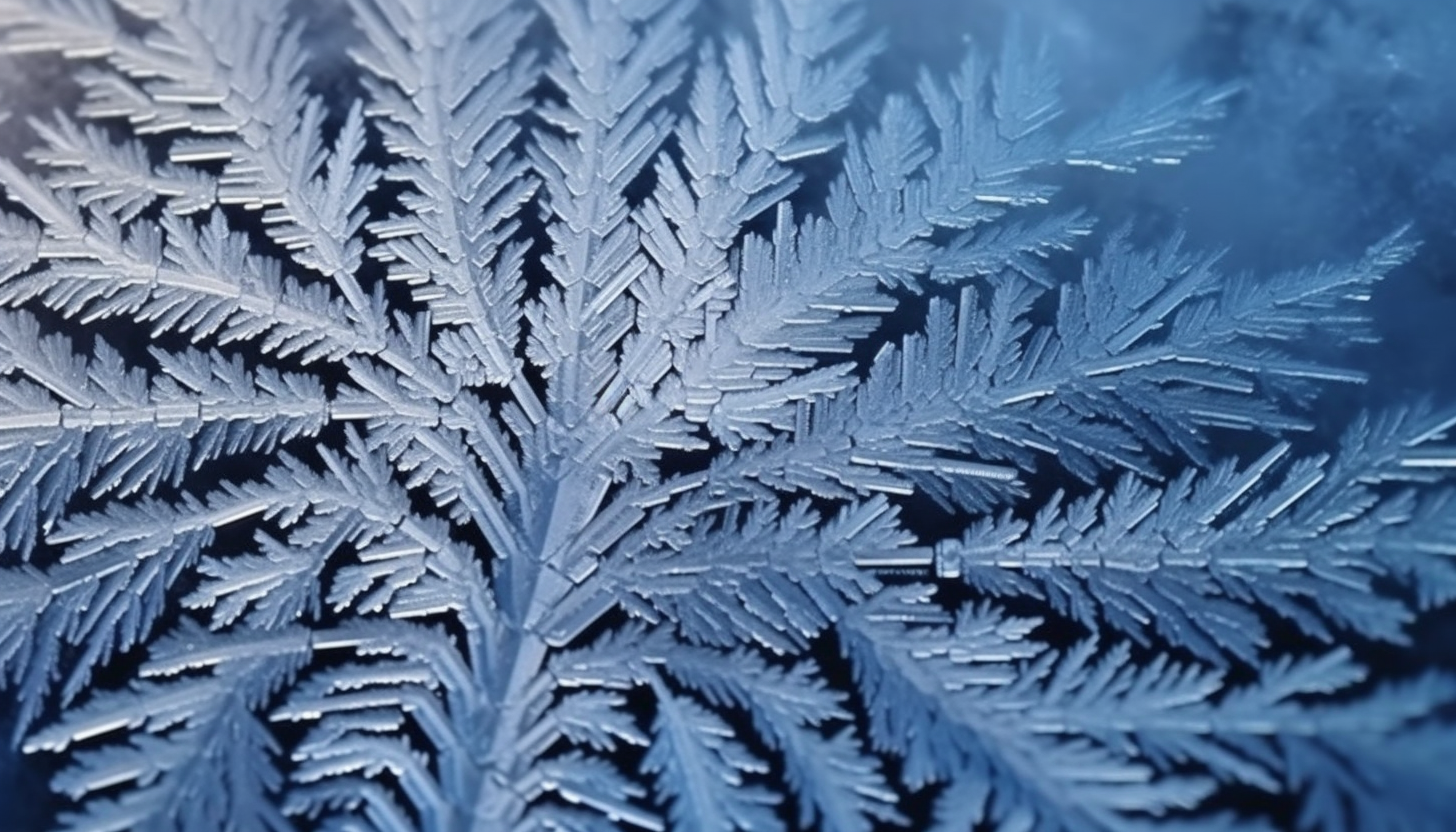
x: 524, y: 446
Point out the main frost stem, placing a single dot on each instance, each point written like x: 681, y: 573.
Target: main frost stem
x: 516, y: 680
x: 498, y: 801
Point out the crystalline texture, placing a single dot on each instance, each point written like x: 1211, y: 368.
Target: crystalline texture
x: 500, y: 456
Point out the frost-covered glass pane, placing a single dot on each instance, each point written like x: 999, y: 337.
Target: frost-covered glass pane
x: 781, y: 414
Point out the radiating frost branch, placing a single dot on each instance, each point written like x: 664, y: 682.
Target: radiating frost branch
x: 143, y: 431
x: 622, y: 62
x: 840, y: 787
x: 742, y: 578
x: 704, y: 770
x: 118, y: 176
x: 732, y: 155
x: 228, y: 78
x: 75, y: 28
x: 815, y: 290
x: 211, y: 71
x: 982, y: 393
x: 619, y: 62
x: 199, y: 732
x: 106, y: 592
x: 957, y: 410
x: 357, y: 519
x: 1183, y: 560
x: 451, y: 81
x: 765, y: 397
x: 746, y: 123
x: 1070, y: 740
x: 201, y: 280
x: 407, y: 675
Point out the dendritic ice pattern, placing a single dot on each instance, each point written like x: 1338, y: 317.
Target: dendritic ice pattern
x: 629, y: 415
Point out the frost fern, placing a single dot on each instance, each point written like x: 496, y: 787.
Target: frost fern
x: 503, y: 451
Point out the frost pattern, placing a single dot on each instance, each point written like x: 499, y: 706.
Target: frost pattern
x: 521, y: 447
